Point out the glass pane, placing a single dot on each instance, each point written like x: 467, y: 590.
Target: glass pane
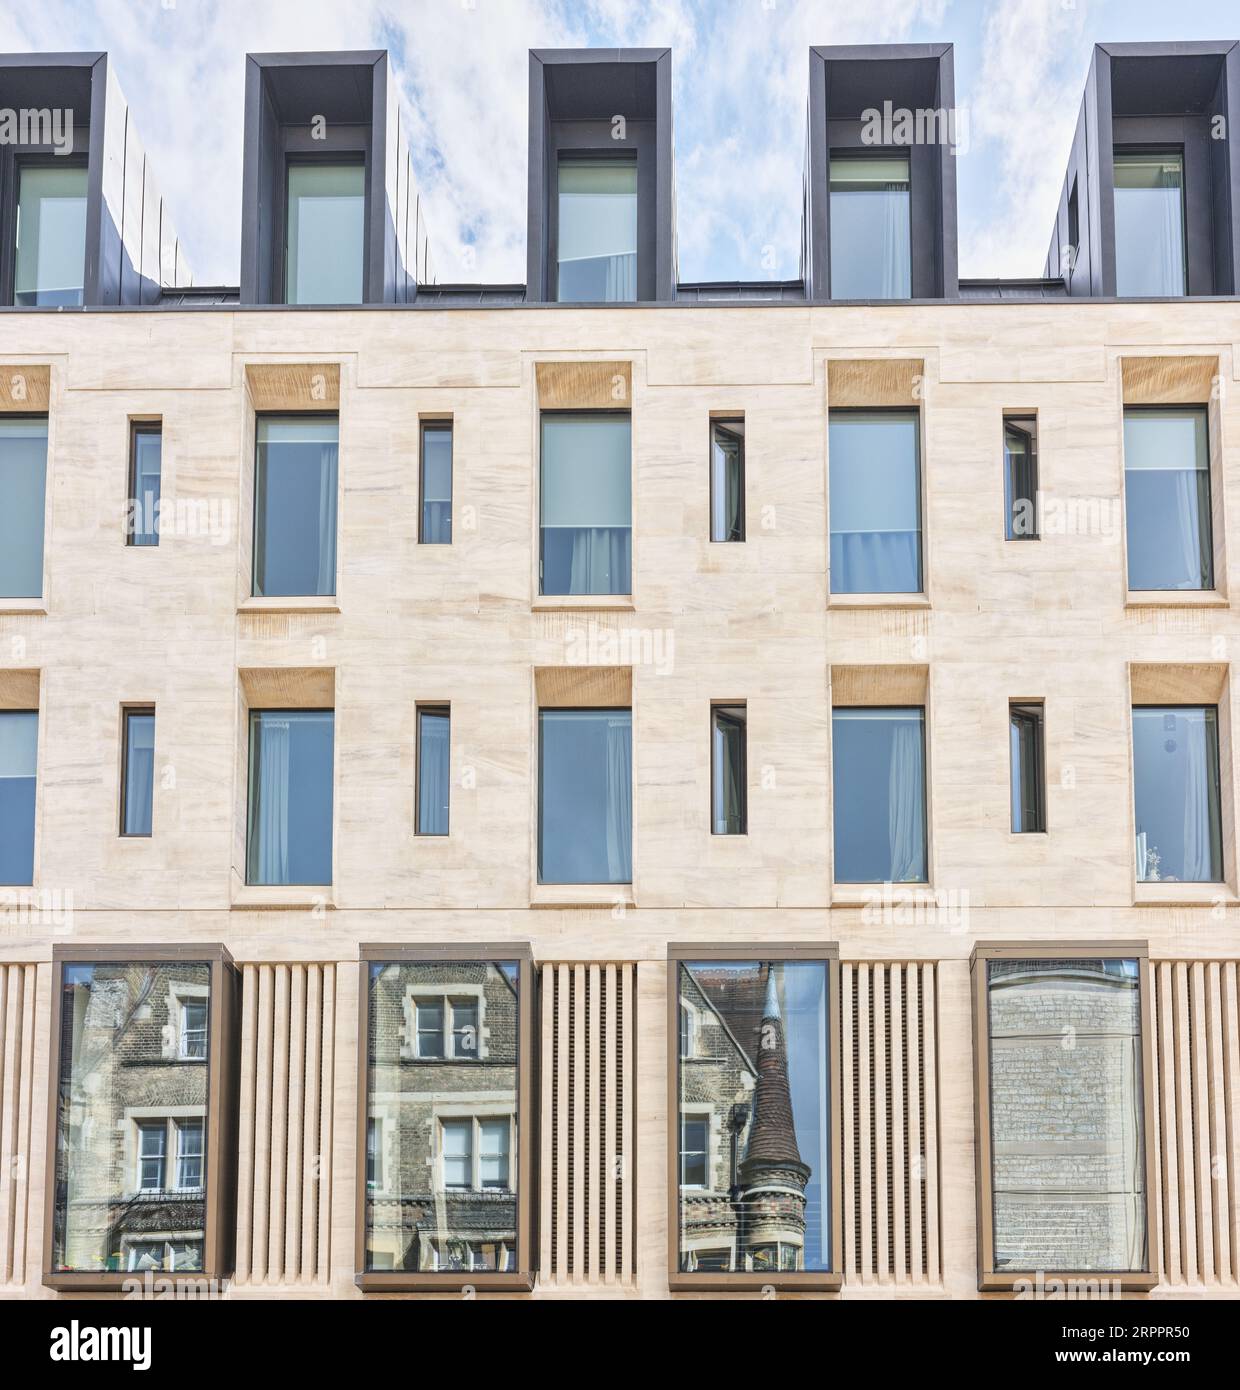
x: 19, y: 742
x: 23, y: 487
x: 295, y: 506
x: 1065, y: 1115
x: 1020, y: 459
x: 727, y: 481
x: 598, y: 230
x: 434, y: 747
x: 189, y: 1154
x: 875, y: 502
x: 585, y: 796
x: 1175, y: 769
x: 139, y: 773
x: 144, y: 487
x: 290, y: 823
x: 1025, y: 737
x: 437, y: 485
x: 194, y: 1029
x: 429, y: 1016
x: 728, y: 773
x: 121, y: 1089
x: 326, y: 217
x: 51, y: 235
x: 586, y: 504
x: 1149, y: 224
x: 869, y: 217
x: 439, y: 1114
x: 879, y: 789
x: 1167, y: 499
x: 756, y: 1115
x: 465, y: 1029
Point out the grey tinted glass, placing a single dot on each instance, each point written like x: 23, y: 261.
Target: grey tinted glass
x: 436, y: 485
x: 146, y: 455
x: 1067, y: 1129
x: 727, y: 481
x: 1149, y: 224
x: 586, y: 504
x: 875, y: 502
x: 728, y: 772
x: 23, y: 485
x: 879, y: 781
x: 597, y: 230
x: 434, y: 731
x: 1020, y: 477
x: 326, y: 204
x: 755, y: 1106
x: 19, y: 742
x: 131, y: 1115
x: 295, y: 480
x: 139, y: 772
x: 869, y: 218
x: 585, y: 796
x: 1167, y: 499
x: 1175, y: 771
x: 51, y: 235
x: 290, y: 811
x: 444, y: 1121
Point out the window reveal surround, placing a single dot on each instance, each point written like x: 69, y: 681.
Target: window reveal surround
x: 679, y: 954
x: 521, y: 1158
x: 218, y: 1149
x: 985, y: 952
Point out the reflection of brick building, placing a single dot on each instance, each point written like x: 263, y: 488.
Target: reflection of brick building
x: 441, y: 1123
x: 742, y: 1177
x: 131, y: 1158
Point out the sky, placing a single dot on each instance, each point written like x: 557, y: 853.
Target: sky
x: 740, y: 75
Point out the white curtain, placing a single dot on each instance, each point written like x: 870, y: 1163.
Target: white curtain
x: 905, y: 806
x: 620, y: 800
x: 273, y: 789
x: 895, y: 245
x: 877, y: 562
x: 327, y: 519
x: 433, y: 777
x: 1198, y: 864
x: 600, y: 560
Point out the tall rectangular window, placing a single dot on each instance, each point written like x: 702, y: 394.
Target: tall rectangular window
x: 597, y: 230
x: 1020, y: 476
x: 1167, y: 498
x: 289, y: 836
x: 23, y: 491
x: 869, y: 218
x: 1025, y: 737
x: 729, y: 811
x: 1065, y: 1159
x: 19, y: 743
x: 1149, y: 223
x: 324, y: 244
x: 878, y: 759
x: 585, y: 796
x: 586, y: 530
x: 435, y: 527
x: 448, y: 1195
x: 875, y: 502
x: 189, y: 1154
x: 50, y: 265
x: 754, y: 1189
x: 295, y: 484
x: 137, y: 771
x: 1176, y: 794
x: 434, y: 749
x: 727, y: 480
x: 146, y: 446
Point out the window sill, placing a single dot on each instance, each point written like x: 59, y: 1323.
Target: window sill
x: 582, y: 895
x: 879, y: 894
x: 1175, y: 598
x: 878, y: 601
x: 24, y: 605
x: 576, y: 603
x: 254, y: 896
x: 1183, y: 895
x: 309, y: 603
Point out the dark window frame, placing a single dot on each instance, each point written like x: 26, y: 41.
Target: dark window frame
x: 725, y: 710
x: 127, y: 711
x: 442, y: 709
x: 137, y: 428
x: 1014, y: 423
x: 1033, y: 714
x: 11, y: 166
x: 435, y: 425
x: 726, y: 422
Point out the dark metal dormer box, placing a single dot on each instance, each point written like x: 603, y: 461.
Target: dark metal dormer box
x: 330, y: 212
x: 602, y: 220
x: 880, y: 176
x: 1150, y: 202
x: 82, y: 221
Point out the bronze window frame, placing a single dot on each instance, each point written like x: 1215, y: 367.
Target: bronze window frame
x: 988, y: 1278
x: 828, y: 1281
x: 521, y: 1279
x: 220, y: 1130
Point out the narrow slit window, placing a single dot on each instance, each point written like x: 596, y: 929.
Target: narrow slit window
x: 1025, y: 723
x: 1020, y: 476
x: 727, y: 480
x: 436, y: 485
x: 138, y: 772
x: 729, y: 792
x: 146, y: 438
x: 434, y: 757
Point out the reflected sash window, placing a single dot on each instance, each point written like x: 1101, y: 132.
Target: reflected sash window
x: 1167, y: 498
x: 875, y: 502
x: 1020, y: 476
x: 879, y: 794
x: 23, y: 488
x: 152, y: 1139
x: 585, y: 796
x: 138, y: 773
x: 295, y: 482
x: 146, y: 442
x: 51, y: 235
x: 290, y: 803
x: 597, y: 230
x: 1149, y: 224
x: 194, y: 1030
x: 434, y: 747
x: 869, y: 217
x: 436, y: 523
x: 19, y: 742
x: 729, y: 775
x: 727, y: 480
x: 1176, y: 793
x: 1025, y: 738
x: 326, y: 218
x: 585, y: 496
x: 189, y: 1154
